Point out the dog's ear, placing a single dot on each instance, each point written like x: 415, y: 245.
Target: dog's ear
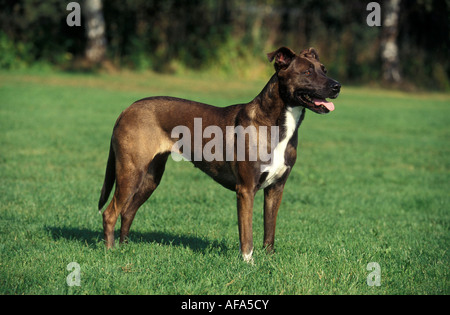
x: 310, y: 53
x: 283, y: 57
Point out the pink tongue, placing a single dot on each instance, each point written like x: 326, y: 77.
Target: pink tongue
x: 328, y: 105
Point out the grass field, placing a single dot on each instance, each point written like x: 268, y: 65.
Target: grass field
x: 371, y: 184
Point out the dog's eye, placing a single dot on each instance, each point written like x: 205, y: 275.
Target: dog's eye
x: 324, y: 70
x: 307, y: 72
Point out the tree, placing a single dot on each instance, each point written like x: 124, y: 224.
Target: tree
x: 95, y: 30
x: 389, y: 47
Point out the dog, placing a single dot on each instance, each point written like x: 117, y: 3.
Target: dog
x: 143, y: 138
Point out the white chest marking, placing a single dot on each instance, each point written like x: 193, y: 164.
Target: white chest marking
x: 277, y: 167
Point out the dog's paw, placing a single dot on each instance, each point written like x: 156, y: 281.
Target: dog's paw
x: 248, y: 258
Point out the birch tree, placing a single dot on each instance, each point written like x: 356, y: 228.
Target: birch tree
x: 95, y: 31
x: 389, y: 47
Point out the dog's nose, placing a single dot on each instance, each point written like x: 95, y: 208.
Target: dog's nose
x: 336, y: 87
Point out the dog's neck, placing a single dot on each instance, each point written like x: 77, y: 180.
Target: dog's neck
x: 271, y: 106
x: 269, y: 99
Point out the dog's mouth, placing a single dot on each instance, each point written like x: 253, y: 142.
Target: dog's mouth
x: 316, y: 104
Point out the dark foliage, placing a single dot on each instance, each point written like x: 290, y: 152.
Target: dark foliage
x: 152, y: 34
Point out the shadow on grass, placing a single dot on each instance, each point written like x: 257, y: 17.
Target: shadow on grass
x: 95, y: 238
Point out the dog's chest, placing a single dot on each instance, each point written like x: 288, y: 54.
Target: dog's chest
x: 278, y: 166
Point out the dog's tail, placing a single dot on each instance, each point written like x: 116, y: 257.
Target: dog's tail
x: 110, y: 177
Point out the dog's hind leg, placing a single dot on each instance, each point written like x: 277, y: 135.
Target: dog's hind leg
x: 148, y: 182
x: 126, y: 187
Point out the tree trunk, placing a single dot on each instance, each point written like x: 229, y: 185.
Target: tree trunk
x: 95, y: 31
x: 389, y: 47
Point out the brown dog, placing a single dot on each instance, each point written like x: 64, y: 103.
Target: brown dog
x: 148, y: 131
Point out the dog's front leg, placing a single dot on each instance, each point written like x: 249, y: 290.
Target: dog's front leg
x: 272, y: 201
x: 245, y: 197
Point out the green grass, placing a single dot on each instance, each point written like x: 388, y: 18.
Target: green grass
x: 371, y: 184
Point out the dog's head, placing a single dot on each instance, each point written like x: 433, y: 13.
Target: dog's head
x: 303, y: 80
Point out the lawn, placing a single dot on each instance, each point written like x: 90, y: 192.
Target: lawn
x: 371, y: 184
